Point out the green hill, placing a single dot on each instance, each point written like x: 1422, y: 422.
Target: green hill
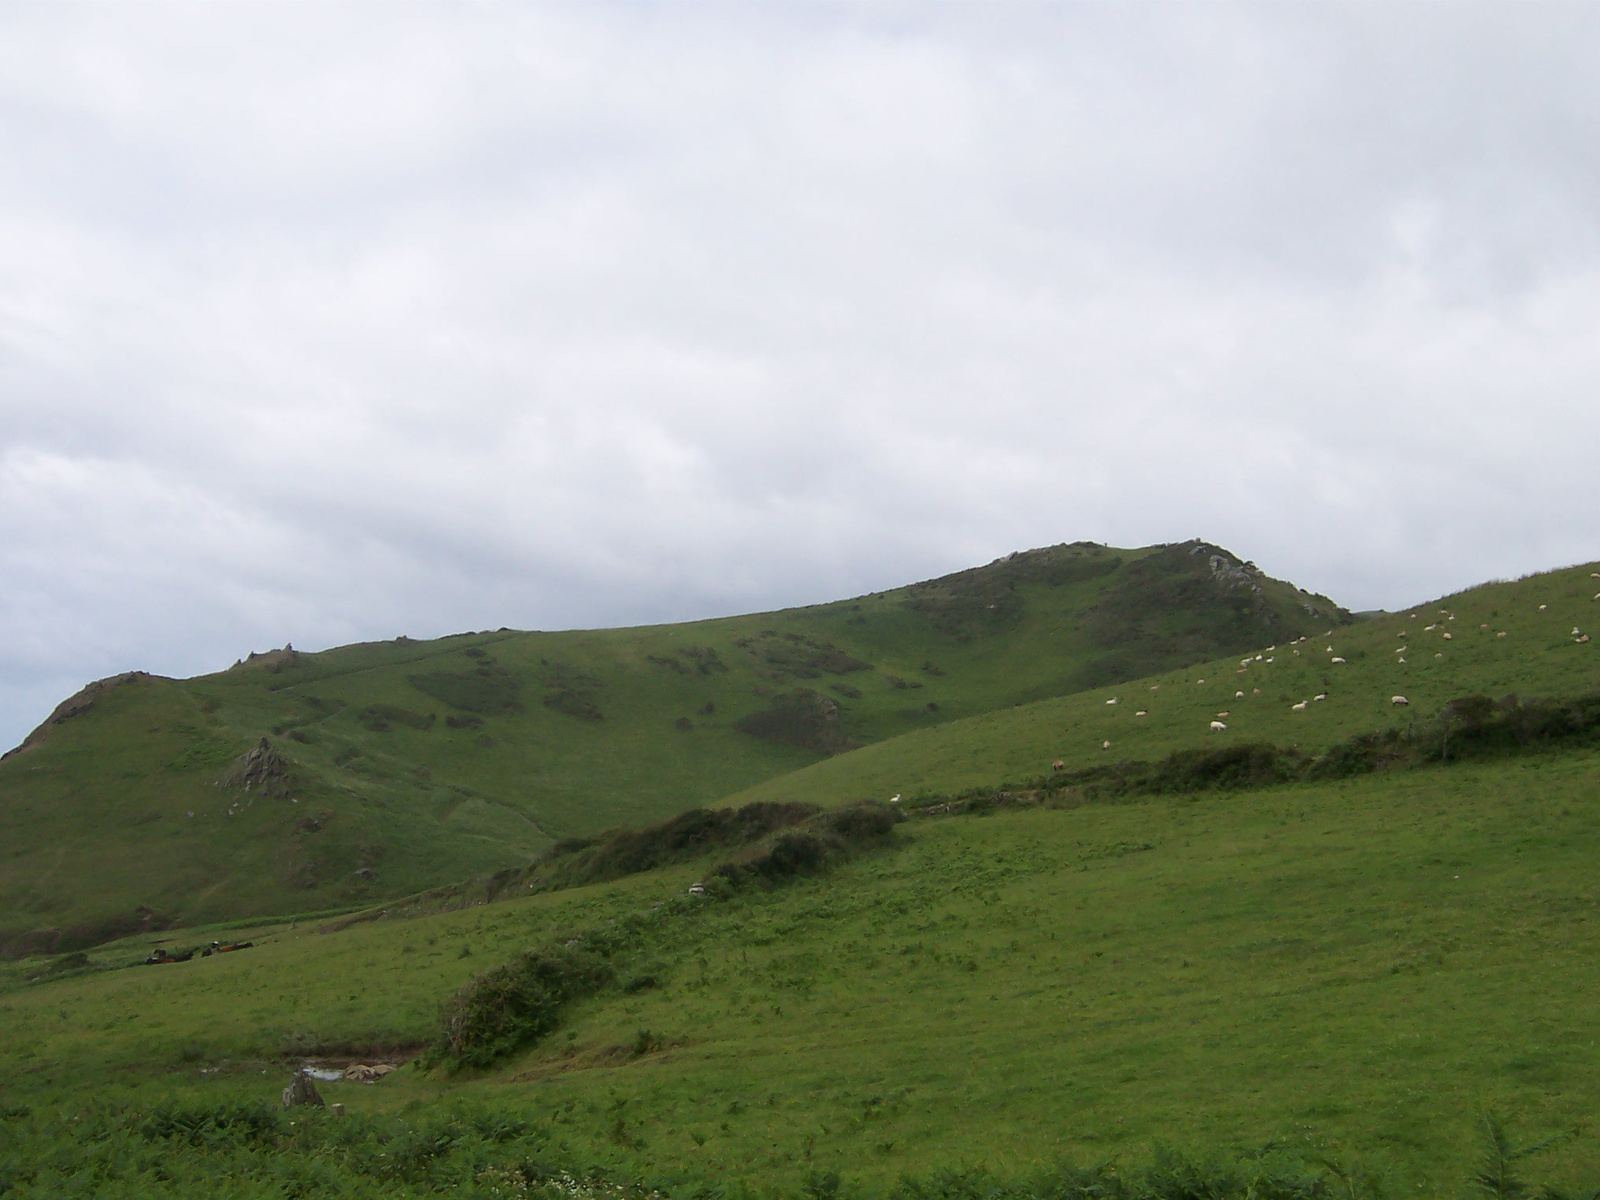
x: 299, y: 781
x: 1527, y: 637
x: 1307, y: 989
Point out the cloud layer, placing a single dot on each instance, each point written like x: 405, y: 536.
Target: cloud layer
x: 330, y: 323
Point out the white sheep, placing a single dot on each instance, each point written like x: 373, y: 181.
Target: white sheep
x: 1402, y: 658
x: 1238, y: 695
x: 1217, y: 727
x: 1399, y: 700
x: 1542, y: 607
x: 1448, y: 637
x: 895, y: 799
x: 1220, y: 715
x: 1301, y: 707
x: 1106, y: 745
x: 1320, y: 696
x: 1141, y: 713
x: 1336, y: 659
x: 1113, y: 700
x: 1402, y: 649
x: 1269, y: 660
x: 1501, y: 634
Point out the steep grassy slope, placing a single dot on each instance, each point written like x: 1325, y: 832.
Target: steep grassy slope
x: 1514, y: 637
x: 1355, y: 968
x: 393, y: 766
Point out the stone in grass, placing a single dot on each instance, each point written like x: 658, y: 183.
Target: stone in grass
x: 301, y: 1091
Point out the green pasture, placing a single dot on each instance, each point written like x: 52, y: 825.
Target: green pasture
x: 1537, y: 656
x: 1358, y: 968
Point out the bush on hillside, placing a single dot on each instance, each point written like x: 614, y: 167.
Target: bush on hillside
x: 520, y: 1001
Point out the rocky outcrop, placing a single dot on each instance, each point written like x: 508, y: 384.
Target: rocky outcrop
x: 301, y: 1091
x: 260, y: 768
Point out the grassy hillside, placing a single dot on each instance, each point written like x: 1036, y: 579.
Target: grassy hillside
x: 1501, y: 638
x: 389, y: 767
x: 1352, y: 969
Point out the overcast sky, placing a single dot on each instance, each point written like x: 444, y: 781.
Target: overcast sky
x: 325, y: 323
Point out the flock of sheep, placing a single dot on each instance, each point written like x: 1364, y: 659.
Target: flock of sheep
x: 1269, y: 655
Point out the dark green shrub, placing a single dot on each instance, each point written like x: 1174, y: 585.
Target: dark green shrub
x: 504, y: 1007
x: 862, y: 821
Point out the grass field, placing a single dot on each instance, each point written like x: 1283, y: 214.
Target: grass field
x: 1348, y: 972
x: 1360, y: 967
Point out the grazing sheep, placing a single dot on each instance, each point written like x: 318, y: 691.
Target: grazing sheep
x: 1198, y: 682
x: 1106, y: 745
x: 1269, y: 660
x: 1217, y: 727
x: 1399, y: 700
x: 1542, y: 607
x: 1113, y: 700
x: 1301, y: 707
x: 1141, y: 713
x: 1402, y: 658
x: 1448, y: 637
x: 1583, y: 639
x: 1238, y: 695
x: 895, y: 799
x: 1501, y: 634
x: 1336, y: 659
x: 1430, y: 628
x: 1320, y: 696
x: 1438, y: 655
x: 1155, y: 687
x: 1223, y: 714
x: 1402, y: 649
x: 1255, y: 691
x: 1058, y: 765
x: 1576, y: 631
